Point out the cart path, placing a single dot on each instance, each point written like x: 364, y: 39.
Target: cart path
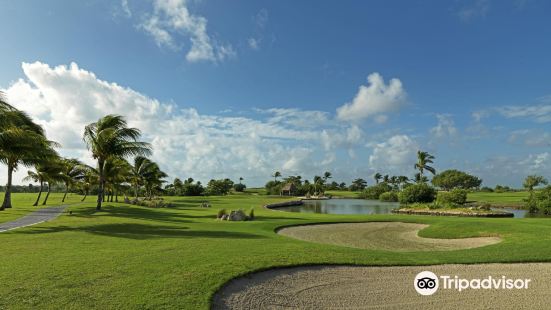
x: 36, y: 217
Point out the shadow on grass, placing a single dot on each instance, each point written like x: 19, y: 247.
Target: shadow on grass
x: 141, y: 231
x: 139, y: 213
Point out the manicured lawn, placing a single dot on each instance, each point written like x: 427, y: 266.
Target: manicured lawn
x: 504, y: 199
x: 344, y: 194
x: 23, y: 204
x: 135, y: 257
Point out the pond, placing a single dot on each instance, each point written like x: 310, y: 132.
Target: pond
x: 519, y: 213
x: 343, y: 206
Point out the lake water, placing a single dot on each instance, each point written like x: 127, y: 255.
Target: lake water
x: 343, y: 206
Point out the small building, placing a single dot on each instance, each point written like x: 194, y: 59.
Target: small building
x: 288, y: 189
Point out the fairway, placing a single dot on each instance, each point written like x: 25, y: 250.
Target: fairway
x: 136, y: 257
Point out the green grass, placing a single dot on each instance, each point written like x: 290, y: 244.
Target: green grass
x: 501, y: 199
x: 135, y: 257
x: 343, y: 194
x: 23, y: 204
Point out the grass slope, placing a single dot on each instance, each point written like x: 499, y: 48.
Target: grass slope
x: 23, y: 204
x: 135, y: 257
x: 501, y: 199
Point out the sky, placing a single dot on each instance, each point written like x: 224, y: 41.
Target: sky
x: 245, y: 88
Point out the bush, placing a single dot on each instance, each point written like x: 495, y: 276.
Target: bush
x: 373, y: 192
x: 456, y: 196
x: 450, y: 179
x: 389, y: 197
x: 487, y: 189
x: 417, y: 193
x: 221, y: 213
x: 239, y: 187
x: 540, y: 202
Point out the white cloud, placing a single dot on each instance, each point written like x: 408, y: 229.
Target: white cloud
x: 530, y: 137
x: 375, y: 99
x: 445, y: 128
x: 478, y: 8
x: 186, y: 143
x: 259, y: 20
x: 539, y: 113
x: 126, y: 8
x: 171, y: 18
x: 394, y: 156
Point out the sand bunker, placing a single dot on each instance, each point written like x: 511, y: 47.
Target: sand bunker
x: 391, y: 236
x: 347, y: 287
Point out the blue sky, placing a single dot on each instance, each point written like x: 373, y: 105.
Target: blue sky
x: 230, y: 89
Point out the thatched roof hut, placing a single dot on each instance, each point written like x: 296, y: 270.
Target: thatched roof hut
x: 288, y: 189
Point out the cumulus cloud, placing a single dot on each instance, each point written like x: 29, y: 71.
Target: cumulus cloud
x: 394, y: 156
x: 171, y: 18
x: 530, y: 137
x: 375, y: 99
x: 187, y: 143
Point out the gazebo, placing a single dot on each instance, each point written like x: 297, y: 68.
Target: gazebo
x: 288, y: 189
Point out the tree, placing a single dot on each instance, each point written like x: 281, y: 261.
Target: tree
x: 423, y: 161
x: 532, y: 181
x: 111, y: 137
x: 377, y: 177
x: 53, y: 175
x: 219, y: 187
x: 116, y: 172
x: 402, y: 181
x: 153, y: 179
x: 327, y: 176
x: 73, y: 171
x: 276, y: 175
x: 43, y: 171
x: 358, y: 185
x: 241, y: 179
x: 450, y: 179
x: 90, y: 178
x: 142, y: 166
x: 22, y: 142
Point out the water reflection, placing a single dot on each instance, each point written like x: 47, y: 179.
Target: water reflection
x: 344, y: 206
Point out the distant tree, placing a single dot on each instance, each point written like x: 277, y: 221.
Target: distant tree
x: 423, y: 161
x: 240, y: 179
x: 276, y: 175
x: 326, y: 176
x: 377, y: 177
x: 450, y: 179
x: 342, y: 186
x: 533, y: 181
x: 219, y: 187
x: 358, y: 185
x: 386, y: 178
x: 73, y: 171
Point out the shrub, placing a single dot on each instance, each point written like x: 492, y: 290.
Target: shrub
x: 450, y: 179
x: 487, y: 189
x: 389, y: 197
x: 373, y: 192
x: 456, y: 196
x: 221, y: 213
x: 239, y: 187
x: 540, y: 202
x: 417, y: 193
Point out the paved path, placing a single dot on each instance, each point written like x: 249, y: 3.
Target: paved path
x: 33, y: 218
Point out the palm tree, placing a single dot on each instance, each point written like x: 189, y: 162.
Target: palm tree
x: 423, y: 161
x: 276, y: 175
x: 240, y: 179
x: 138, y: 171
x: 359, y: 184
x: 117, y: 172
x: 38, y: 176
x: 73, y: 171
x: 53, y: 175
x: 386, y: 179
x: 326, y: 176
x: 111, y: 137
x: 377, y: 177
x: 22, y: 142
x: 90, y: 178
x: 154, y: 179
x: 402, y: 180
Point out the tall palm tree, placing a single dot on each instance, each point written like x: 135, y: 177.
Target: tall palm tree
x: 423, y: 161
x: 90, y: 178
x: 38, y: 176
x: 154, y: 179
x: 22, y: 142
x: 327, y: 175
x: 386, y: 178
x: 240, y: 179
x: 276, y: 175
x: 73, y: 171
x: 377, y: 177
x: 111, y: 137
x: 53, y: 175
x: 117, y: 172
x: 138, y: 171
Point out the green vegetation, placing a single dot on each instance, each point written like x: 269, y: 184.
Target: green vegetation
x: 136, y: 257
x: 454, y: 197
x: 450, y: 179
x: 375, y: 191
x: 416, y: 193
x: 389, y: 197
x: 506, y: 199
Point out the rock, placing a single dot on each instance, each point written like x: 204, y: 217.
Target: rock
x: 237, y: 215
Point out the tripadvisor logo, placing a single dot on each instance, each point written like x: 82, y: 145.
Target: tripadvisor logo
x: 427, y: 283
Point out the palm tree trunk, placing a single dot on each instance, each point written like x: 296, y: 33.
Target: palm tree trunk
x: 85, y: 195
x: 47, y: 195
x: 116, y: 196
x: 101, y: 184
x: 66, y: 190
x: 7, y: 194
x: 136, y: 191
x: 39, y: 194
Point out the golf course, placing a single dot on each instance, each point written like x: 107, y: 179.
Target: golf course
x: 127, y: 256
